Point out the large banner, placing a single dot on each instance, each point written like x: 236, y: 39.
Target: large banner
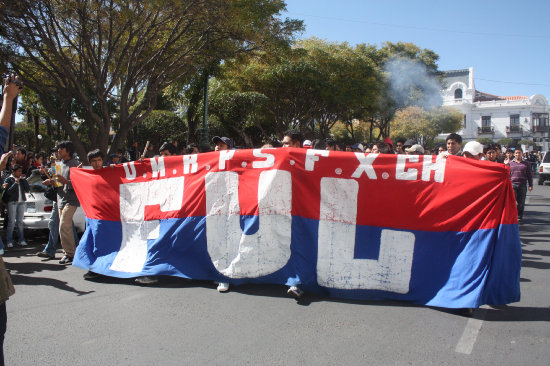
x: 433, y: 231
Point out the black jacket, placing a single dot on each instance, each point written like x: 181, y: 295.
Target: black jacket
x: 11, y: 193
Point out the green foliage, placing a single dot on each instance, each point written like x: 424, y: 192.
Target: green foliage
x: 160, y: 126
x: 506, y: 141
x: 485, y: 140
x: 106, y: 62
x: 527, y: 142
x: 424, y: 125
x: 23, y: 135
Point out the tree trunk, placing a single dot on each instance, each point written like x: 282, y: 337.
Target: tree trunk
x: 36, y: 121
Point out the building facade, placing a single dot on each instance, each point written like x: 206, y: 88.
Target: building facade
x: 496, y: 117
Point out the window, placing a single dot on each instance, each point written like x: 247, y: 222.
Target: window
x: 514, y: 124
x: 540, y: 122
x: 458, y: 94
x: 486, y: 125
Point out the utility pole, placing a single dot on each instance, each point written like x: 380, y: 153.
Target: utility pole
x: 205, y: 138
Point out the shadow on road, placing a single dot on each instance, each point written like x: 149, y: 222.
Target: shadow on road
x: 19, y: 279
x: 510, y: 313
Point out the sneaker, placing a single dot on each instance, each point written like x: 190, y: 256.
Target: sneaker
x: 90, y: 275
x: 10, y: 245
x: 147, y: 280
x: 45, y: 255
x: 295, y: 291
x: 66, y: 260
x: 223, y: 287
x: 22, y: 243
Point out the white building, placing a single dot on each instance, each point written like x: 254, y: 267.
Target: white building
x: 496, y: 117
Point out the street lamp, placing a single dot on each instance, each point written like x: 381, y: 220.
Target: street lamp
x: 205, y: 141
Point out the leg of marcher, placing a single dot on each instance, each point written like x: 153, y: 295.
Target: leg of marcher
x: 53, y: 225
x: 75, y: 235
x: 522, y: 193
x: 19, y: 222
x: 66, y: 230
x: 11, y: 223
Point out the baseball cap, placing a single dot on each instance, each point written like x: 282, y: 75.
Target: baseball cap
x: 225, y: 140
x: 473, y: 147
x: 416, y: 148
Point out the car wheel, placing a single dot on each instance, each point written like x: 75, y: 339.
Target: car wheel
x: 541, y: 181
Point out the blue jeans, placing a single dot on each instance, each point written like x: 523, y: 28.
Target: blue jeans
x: 16, y: 210
x: 53, y: 225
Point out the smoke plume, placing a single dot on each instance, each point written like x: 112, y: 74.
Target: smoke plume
x: 411, y: 84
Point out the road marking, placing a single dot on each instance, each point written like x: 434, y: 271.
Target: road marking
x: 471, y: 331
x: 528, y: 200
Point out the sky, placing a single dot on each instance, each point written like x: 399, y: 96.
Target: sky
x: 506, y: 42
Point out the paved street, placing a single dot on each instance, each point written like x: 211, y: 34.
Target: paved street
x: 57, y: 318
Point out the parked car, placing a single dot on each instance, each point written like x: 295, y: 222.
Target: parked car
x: 39, y: 208
x: 544, y: 168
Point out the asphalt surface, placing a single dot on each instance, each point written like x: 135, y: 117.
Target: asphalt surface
x: 57, y: 318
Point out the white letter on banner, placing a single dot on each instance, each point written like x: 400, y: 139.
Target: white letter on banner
x: 190, y: 161
x: 233, y: 253
x: 134, y: 197
x: 438, y: 166
x: 400, y: 173
x: 130, y: 170
x: 312, y: 157
x: 365, y: 165
x: 268, y: 163
x: 157, y: 166
x: 336, y: 266
x: 224, y: 156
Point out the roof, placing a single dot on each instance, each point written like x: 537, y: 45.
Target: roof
x: 453, y: 76
x: 486, y: 97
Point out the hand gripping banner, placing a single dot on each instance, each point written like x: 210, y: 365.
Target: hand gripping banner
x: 435, y: 231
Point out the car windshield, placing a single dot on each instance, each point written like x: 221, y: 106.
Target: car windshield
x: 546, y: 158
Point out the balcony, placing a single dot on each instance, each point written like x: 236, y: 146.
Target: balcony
x: 541, y: 128
x: 514, y: 130
x: 486, y: 130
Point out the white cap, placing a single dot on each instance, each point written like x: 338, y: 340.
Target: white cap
x: 474, y: 148
x: 307, y: 143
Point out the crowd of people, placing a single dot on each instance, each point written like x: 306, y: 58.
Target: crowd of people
x: 54, y: 171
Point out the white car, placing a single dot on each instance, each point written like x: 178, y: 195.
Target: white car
x: 544, y: 169
x: 38, y: 210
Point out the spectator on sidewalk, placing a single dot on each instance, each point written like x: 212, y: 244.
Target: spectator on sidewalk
x: 15, y: 187
x: 67, y: 200
x: 53, y: 222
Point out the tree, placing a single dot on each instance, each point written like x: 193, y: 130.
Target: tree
x: 506, y: 141
x: 485, y: 140
x: 110, y: 59
x: 409, y: 80
x: 160, y: 126
x: 527, y: 142
x: 424, y: 125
